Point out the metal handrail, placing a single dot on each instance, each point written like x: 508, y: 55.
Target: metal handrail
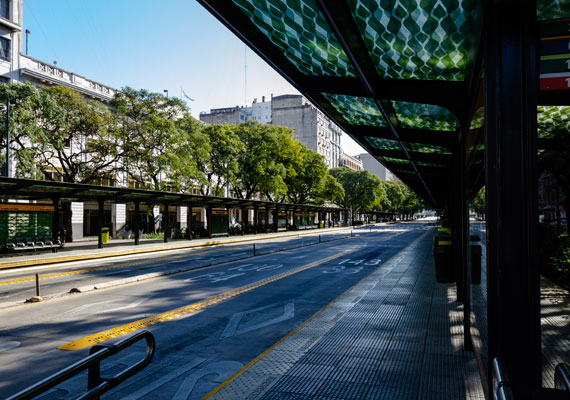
x: 501, y: 385
x: 562, y: 376
x: 96, y: 385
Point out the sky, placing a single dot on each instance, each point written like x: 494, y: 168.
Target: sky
x: 169, y: 45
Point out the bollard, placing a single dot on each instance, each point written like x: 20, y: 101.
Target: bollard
x: 38, y: 285
x: 254, y: 249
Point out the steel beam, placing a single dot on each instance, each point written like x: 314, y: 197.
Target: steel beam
x: 511, y: 84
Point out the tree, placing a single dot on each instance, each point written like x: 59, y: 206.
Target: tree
x: 221, y: 165
x: 305, y: 178
x: 363, y: 191
x: 186, y: 168
x: 258, y: 169
x: 152, y: 141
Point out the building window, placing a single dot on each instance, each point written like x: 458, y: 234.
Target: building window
x: 5, y: 9
x: 4, y: 49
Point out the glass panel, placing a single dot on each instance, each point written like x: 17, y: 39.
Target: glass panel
x: 299, y: 30
x: 389, y: 144
x: 357, y: 110
x: 383, y: 144
x: 553, y: 121
x: 431, y: 40
x: 428, y: 148
x: 552, y: 9
x: 397, y: 161
x: 424, y: 116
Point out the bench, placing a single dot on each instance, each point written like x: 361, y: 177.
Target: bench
x: 15, y: 245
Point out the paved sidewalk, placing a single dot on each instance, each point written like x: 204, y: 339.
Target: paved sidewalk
x: 396, y: 334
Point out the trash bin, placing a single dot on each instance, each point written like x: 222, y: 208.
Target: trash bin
x: 104, y: 235
x: 443, y: 258
x: 476, y: 251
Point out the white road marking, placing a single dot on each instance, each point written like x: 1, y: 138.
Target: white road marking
x: 231, y: 328
x: 164, y: 379
x: 132, y: 305
x: 8, y: 345
x: 223, y: 370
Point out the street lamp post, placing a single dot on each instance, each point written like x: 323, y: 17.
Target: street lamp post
x: 27, y: 33
x: 166, y: 91
x: 7, y: 124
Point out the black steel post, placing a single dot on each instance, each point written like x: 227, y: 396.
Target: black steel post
x: 229, y: 219
x: 209, y: 220
x: 276, y: 220
x: 266, y: 219
x: 136, y: 222
x: 255, y: 218
x: 189, y: 222
x: 100, y: 223
x: 8, y: 155
x: 165, y: 223
x: 511, y: 84
x: 55, y: 218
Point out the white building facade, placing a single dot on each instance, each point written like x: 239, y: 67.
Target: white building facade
x: 310, y: 126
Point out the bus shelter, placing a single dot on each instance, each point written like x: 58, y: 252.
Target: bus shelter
x: 451, y: 96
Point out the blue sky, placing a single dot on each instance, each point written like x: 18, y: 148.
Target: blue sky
x: 155, y: 45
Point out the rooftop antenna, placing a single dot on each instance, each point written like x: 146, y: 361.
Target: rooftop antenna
x: 245, y: 74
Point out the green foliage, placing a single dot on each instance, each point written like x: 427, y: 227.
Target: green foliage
x: 554, y: 255
x: 152, y: 141
x: 362, y: 190
x: 258, y: 167
x: 479, y: 203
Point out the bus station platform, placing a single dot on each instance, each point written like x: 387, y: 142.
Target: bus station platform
x: 87, y: 249
x: 397, y: 334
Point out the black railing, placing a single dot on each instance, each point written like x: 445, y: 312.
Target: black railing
x: 562, y: 376
x: 501, y: 384
x: 96, y: 385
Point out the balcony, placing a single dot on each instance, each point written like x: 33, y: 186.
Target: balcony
x: 36, y: 70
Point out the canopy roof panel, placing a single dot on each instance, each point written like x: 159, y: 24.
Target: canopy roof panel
x: 299, y: 30
x: 402, y: 77
x: 424, y: 116
x: 430, y: 40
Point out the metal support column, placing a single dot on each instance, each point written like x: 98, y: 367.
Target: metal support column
x: 100, y: 222
x: 56, y: 217
x: 511, y: 80
x: 242, y: 213
x: 136, y: 222
x: 189, y: 222
x: 276, y: 220
x: 165, y: 223
x: 255, y: 218
x: 209, y: 220
x: 266, y: 219
x: 229, y: 219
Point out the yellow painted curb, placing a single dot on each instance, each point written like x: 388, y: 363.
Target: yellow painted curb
x: 95, y: 256
x: 168, y: 315
x: 259, y: 357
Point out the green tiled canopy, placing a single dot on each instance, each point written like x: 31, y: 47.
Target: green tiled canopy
x: 357, y: 110
x: 552, y: 9
x: 424, y: 116
x: 430, y: 39
x: 553, y: 121
x: 389, y: 144
x: 300, y: 31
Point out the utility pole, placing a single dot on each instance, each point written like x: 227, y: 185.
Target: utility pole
x: 27, y: 33
x: 7, y: 125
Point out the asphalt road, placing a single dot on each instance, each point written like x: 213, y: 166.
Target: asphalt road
x: 196, y: 348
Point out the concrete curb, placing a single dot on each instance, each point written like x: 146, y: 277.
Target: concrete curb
x: 138, y: 278
x: 177, y: 246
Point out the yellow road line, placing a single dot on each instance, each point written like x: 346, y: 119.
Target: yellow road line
x: 85, y: 270
x: 178, y: 246
x: 168, y: 315
x: 259, y: 357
